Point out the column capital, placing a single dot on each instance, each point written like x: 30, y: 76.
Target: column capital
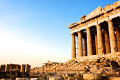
x: 109, y: 20
x: 78, y: 31
x: 87, y: 28
x: 110, y: 23
x: 98, y: 25
x: 72, y: 34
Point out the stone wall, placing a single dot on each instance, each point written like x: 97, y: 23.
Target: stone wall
x: 17, y: 67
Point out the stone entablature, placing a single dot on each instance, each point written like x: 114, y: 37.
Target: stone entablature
x: 97, y: 16
x: 97, y: 33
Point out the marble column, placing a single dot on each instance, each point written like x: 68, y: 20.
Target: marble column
x: 14, y: 66
x: 27, y: 68
x: 112, y: 36
x: 118, y: 38
x: 84, y: 46
x: 107, y: 42
x: 73, y: 47
x: 22, y: 68
x: 11, y: 66
x: 79, y: 44
x: 103, y: 40
x: 93, y: 44
x: 99, y: 40
x: 7, y: 68
x: 89, y: 42
x: 96, y: 44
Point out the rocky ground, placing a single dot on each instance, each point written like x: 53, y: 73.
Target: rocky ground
x: 108, y: 65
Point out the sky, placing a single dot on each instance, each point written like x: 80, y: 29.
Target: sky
x: 35, y: 31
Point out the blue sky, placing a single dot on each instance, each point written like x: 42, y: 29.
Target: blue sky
x: 35, y: 31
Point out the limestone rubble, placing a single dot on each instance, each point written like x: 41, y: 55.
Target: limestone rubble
x: 95, y: 48
x: 106, y: 65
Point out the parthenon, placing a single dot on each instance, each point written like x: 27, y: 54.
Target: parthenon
x: 98, y: 33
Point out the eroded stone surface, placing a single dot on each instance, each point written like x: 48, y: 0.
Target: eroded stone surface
x: 98, y: 54
x: 102, y: 24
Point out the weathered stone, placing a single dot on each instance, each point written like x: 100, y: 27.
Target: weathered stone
x: 112, y: 37
x: 91, y: 77
x: 107, y: 42
x: 118, y: 38
x: 71, y: 78
x: 22, y: 68
x: 73, y: 52
x: 55, y: 78
x: 89, y: 44
x: 99, y: 40
x: 84, y: 46
x: 113, y: 78
x: 79, y: 49
x: 91, y: 47
x: 96, y: 44
x: 109, y: 16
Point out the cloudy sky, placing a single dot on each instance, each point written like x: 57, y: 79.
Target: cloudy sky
x: 35, y: 31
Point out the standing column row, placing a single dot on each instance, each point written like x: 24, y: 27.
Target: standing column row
x: 100, y: 47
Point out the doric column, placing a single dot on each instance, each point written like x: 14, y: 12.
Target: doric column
x: 84, y: 46
x: 22, y: 68
x: 118, y: 37
x: 73, y: 47
x: 112, y: 37
x: 89, y: 42
x: 107, y: 42
x: 79, y: 44
x: 93, y: 43
x: 99, y: 40
x: 96, y: 44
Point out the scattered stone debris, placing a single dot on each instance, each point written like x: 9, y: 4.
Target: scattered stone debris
x: 93, y: 62
x: 74, y: 69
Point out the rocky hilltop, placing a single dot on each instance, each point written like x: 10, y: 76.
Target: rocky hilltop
x: 95, y: 48
x: 105, y: 65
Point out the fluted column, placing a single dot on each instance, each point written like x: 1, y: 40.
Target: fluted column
x: 99, y: 40
x: 73, y: 47
x: 118, y: 38
x: 79, y: 44
x: 89, y: 42
x: 96, y: 44
x: 112, y: 37
x: 84, y: 46
x: 107, y: 42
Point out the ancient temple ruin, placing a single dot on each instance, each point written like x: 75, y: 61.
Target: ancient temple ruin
x: 95, y: 48
x: 97, y: 33
x: 14, y: 70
